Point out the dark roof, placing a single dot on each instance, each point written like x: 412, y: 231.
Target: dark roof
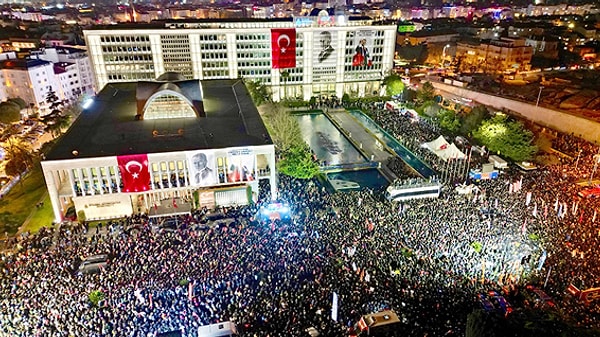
x: 161, y: 24
x: 109, y: 126
x: 22, y: 64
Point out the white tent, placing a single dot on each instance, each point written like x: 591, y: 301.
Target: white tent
x: 444, y: 150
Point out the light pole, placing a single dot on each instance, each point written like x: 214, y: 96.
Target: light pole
x: 444, y: 54
x: 539, y: 96
x: 596, y: 161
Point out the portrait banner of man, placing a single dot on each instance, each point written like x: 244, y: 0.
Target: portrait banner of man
x: 325, y: 48
x: 201, y: 166
x: 363, y: 45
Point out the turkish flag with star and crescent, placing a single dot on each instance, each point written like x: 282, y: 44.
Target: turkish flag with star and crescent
x: 283, y: 48
x: 134, y: 172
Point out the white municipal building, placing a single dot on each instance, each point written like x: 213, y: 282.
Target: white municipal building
x: 235, y: 49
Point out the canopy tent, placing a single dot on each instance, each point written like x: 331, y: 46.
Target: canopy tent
x: 444, y: 150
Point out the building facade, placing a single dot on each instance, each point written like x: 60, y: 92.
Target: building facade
x: 30, y: 80
x: 496, y: 56
x: 232, y: 49
x: 161, y: 148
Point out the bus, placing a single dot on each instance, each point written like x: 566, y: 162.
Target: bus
x: 376, y: 324
x: 401, y: 192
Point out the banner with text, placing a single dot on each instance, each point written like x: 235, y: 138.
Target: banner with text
x: 240, y: 165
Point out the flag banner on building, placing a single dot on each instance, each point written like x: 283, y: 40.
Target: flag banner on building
x: 240, y: 165
x: 283, y: 48
x: 134, y: 172
x: 201, y: 165
x: 363, y: 46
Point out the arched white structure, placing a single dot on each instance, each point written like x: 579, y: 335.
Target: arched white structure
x: 167, y: 103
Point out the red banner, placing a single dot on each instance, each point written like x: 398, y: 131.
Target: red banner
x: 134, y: 172
x: 283, y: 48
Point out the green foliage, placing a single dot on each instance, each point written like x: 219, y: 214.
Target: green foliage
x: 81, y: 216
x: 283, y: 128
x: 506, y: 137
x: 345, y: 98
x: 19, y: 157
x: 10, y: 112
x: 426, y: 92
x: 56, y: 120
x: 258, y: 91
x: 19, y: 101
x: 96, y: 296
x: 471, y: 121
x: 477, y: 246
x: 294, y: 103
x: 298, y: 162
x: 449, y: 121
x: 409, y: 95
x: 394, y: 85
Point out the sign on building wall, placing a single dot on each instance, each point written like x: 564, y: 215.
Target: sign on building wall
x: 202, y: 168
x: 104, y: 206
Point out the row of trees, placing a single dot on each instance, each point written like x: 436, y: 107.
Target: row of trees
x: 296, y: 158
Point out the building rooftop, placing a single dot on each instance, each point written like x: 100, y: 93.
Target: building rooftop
x: 22, y: 64
x: 109, y: 126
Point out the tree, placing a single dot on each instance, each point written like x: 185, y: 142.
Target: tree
x: 426, y: 93
x: 54, y: 103
x: 19, y: 158
x: 393, y: 85
x: 9, y: 112
x: 506, y: 137
x: 283, y: 128
x: 449, y: 121
x: 257, y: 90
x: 298, y: 162
x: 19, y: 101
x: 472, y: 120
x: 55, y: 121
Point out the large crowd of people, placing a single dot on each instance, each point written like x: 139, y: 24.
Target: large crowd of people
x: 425, y: 259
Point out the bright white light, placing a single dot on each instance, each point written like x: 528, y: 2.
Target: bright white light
x: 88, y: 103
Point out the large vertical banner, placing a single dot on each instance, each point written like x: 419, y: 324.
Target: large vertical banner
x: 325, y: 49
x: 241, y: 165
x: 363, y: 46
x: 283, y: 48
x: 134, y: 172
x: 201, y: 166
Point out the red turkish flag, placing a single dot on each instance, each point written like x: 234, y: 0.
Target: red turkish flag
x: 134, y: 172
x: 283, y: 48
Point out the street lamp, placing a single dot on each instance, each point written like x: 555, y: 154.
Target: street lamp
x: 596, y: 161
x: 539, y: 95
x: 444, y: 54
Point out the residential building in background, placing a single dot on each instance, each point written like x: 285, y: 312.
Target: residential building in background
x: 66, y: 71
x: 230, y: 49
x: 495, y: 56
